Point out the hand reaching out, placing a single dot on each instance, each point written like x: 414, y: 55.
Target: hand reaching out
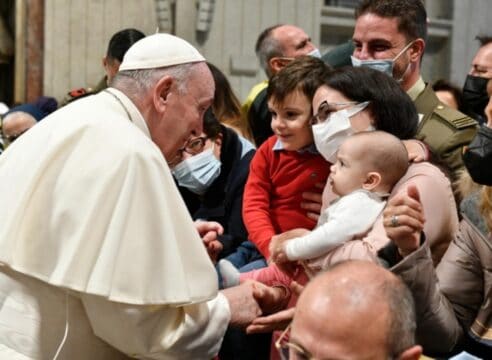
x: 276, y: 321
x: 404, y: 220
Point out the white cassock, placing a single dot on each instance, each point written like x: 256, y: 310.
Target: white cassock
x: 97, y: 247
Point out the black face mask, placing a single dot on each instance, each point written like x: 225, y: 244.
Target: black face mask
x: 478, y: 157
x: 475, y: 95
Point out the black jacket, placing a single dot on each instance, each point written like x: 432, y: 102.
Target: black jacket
x: 223, y: 201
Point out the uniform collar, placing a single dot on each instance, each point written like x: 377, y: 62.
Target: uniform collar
x: 416, y: 89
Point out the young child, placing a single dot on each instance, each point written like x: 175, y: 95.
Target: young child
x: 287, y: 164
x: 368, y: 165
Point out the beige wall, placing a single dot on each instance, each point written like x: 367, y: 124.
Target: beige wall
x: 77, y: 33
x: 235, y: 27
x: 76, y: 36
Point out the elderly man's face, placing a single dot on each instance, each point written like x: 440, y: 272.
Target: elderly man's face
x: 295, y: 42
x: 183, y: 117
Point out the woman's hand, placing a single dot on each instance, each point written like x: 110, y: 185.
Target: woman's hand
x: 209, y: 230
x: 312, y: 202
x: 417, y: 150
x: 404, y: 220
x: 488, y: 112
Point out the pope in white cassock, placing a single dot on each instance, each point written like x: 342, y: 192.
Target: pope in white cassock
x: 99, y: 258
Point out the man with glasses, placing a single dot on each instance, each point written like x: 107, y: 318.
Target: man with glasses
x: 476, y: 89
x: 355, y: 310
x: 390, y: 36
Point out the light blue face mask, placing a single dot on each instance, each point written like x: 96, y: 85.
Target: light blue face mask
x: 384, y: 65
x: 198, y: 172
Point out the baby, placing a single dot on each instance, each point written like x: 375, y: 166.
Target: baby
x: 368, y: 165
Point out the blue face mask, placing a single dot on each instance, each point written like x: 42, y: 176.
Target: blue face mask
x: 198, y: 172
x: 383, y: 65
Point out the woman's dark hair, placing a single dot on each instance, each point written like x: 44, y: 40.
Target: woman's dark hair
x: 391, y: 108
x: 226, y: 105
x: 121, y: 41
x: 211, y: 126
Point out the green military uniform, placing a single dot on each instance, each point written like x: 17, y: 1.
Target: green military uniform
x: 445, y: 130
x: 83, y: 92
x: 340, y: 55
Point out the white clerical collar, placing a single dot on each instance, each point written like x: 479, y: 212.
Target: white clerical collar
x: 131, y: 110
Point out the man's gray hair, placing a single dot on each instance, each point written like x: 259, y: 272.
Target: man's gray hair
x: 136, y: 82
x: 268, y: 47
x: 402, y: 317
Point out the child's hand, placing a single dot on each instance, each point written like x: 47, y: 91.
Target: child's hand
x: 278, y: 240
x: 278, y: 254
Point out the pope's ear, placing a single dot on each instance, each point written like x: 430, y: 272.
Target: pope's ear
x: 162, y: 91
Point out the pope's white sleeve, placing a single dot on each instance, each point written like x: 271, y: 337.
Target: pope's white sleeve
x: 351, y: 215
x: 160, y: 331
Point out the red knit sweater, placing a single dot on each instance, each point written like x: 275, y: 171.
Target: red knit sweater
x: 273, y: 192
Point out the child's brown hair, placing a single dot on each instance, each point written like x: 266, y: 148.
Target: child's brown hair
x: 304, y: 74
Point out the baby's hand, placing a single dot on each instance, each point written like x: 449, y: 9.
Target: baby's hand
x: 278, y: 254
x: 278, y: 240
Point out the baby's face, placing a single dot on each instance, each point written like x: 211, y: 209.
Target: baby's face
x: 291, y: 121
x: 348, y: 173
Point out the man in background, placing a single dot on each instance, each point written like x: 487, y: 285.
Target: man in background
x: 118, y: 45
x: 275, y: 47
x: 390, y: 35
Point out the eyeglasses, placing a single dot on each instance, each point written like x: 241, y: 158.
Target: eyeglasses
x: 292, y: 351
x: 326, y: 108
x: 289, y: 350
x: 11, y: 138
x: 195, y: 145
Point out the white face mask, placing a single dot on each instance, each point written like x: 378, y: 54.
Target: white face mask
x: 384, y: 65
x: 329, y: 135
x: 315, y: 53
x: 198, y: 172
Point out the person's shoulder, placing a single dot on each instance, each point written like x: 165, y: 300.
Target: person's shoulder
x: 79, y: 93
x: 431, y: 108
x: 255, y: 90
x: 456, y: 119
x: 424, y: 174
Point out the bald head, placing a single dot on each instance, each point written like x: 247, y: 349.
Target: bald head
x: 278, y: 44
x: 355, y: 308
x: 15, y: 124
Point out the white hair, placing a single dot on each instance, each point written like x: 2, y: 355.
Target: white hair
x: 136, y: 82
